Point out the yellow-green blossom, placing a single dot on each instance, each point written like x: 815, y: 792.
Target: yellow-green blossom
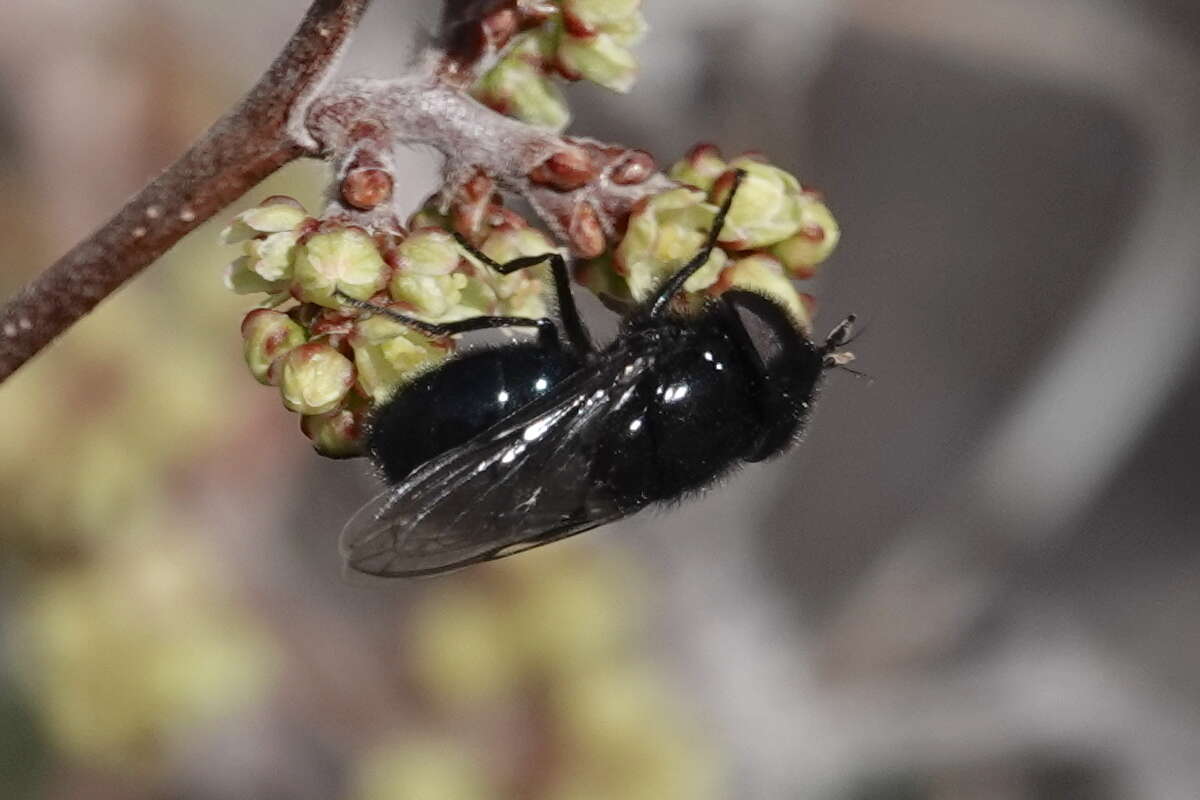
x: 662, y: 236
x: 338, y: 433
x: 345, y: 261
x: 818, y: 236
x: 315, y: 378
x: 428, y: 252
x: 433, y: 297
x: 427, y: 279
x: 267, y: 336
x: 520, y: 293
x: 271, y: 218
x: 700, y: 167
x: 240, y: 279
x: 602, y: 14
x: 768, y: 207
x: 518, y: 86
x: 387, y: 353
x: 600, y: 59
x: 600, y: 277
x: 271, y: 257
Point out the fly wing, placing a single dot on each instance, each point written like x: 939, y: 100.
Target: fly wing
x: 524, y: 483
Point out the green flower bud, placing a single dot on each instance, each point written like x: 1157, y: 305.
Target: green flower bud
x: 518, y: 86
x: 344, y: 260
x: 767, y: 208
x: 428, y: 216
x: 429, y: 252
x: 528, y: 301
x: 315, y: 378
x: 377, y: 329
x: 267, y: 336
x: 664, y: 233
x: 506, y: 244
x: 700, y: 167
x: 240, y: 279
x: 520, y: 293
x: 600, y: 277
x: 598, y: 14
x: 338, y: 433
x: 387, y: 353
x: 431, y: 296
x: 621, y: 20
x: 426, y: 278
x: 764, y: 274
x: 816, y: 240
x: 477, y: 296
x: 599, y: 59
x: 271, y: 258
x: 626, y: 31
x: 270, y: 218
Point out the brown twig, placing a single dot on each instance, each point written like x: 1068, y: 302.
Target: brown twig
x: 262, y: 133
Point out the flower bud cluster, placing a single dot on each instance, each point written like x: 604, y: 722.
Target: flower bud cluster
x: 332, y: 361
x: 776, y: 230
x: 572, y: 39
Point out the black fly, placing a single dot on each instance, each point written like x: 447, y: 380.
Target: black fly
x: 504, y: 449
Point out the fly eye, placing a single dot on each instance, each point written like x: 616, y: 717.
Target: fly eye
x: 767, y: 326
x: 764, y: 337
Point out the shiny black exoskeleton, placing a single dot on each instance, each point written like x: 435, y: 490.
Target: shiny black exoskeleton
x: 507, y: 448
x: 451, y: 405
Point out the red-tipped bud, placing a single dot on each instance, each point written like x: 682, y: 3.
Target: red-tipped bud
x: 268, y: 336
x: 338, y: 433
x: 566, y: 170
x: 585, y: 232
x: 365, y: 189
x: 634, y: 168
x: 700, y: 167
x: 315, y: 378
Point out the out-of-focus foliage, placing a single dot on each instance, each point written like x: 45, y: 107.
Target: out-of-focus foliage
x: 123, y: 631
x: 134, y: 645
x: 553, y: 641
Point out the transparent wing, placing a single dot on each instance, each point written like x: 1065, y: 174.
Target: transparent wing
x: 524, y: 483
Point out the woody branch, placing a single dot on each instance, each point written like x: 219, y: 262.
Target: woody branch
x: 583, y: 190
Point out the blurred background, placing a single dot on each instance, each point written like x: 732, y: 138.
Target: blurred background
x: 977, y: 578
